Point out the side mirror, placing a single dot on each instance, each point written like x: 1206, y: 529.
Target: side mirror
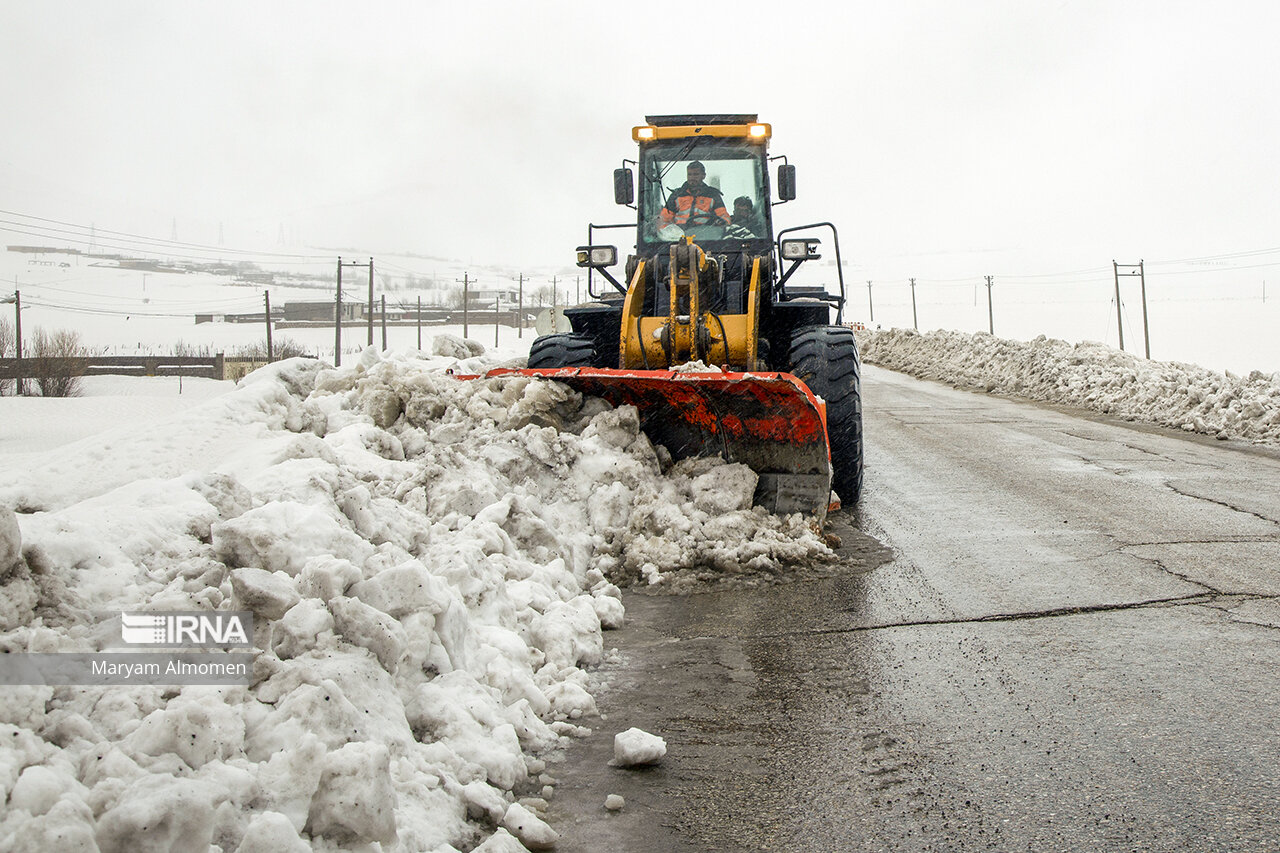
x: 786, y: 182
x: 623, y: 187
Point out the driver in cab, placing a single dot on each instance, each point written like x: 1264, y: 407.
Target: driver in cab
x: 694, y: 203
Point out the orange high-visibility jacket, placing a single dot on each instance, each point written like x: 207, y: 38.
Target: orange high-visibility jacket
x: 689, y: 206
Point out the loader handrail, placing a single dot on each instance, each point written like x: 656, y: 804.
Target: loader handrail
x: 591, y: 226
x: 839, y: 301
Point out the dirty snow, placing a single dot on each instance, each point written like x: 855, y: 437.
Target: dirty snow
x: 1091, y: 376
x: 432, y: 564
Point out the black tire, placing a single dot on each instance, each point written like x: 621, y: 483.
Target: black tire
x: 826, y: 359
x: 562, y: 350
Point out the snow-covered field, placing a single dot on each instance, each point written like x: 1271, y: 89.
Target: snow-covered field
x: 127, y: 311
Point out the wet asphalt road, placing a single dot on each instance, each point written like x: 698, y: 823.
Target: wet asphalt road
x: 1048, y: 632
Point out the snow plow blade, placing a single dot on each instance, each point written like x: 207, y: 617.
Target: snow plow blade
x: 770, y: 422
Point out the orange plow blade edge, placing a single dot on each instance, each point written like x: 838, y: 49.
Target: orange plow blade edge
x: 770, y: 422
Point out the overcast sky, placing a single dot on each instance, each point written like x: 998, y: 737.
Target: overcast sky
x: 944, y: 139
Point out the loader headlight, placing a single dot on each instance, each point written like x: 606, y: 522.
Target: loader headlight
x: 800, y: 250
x: 597, y: 256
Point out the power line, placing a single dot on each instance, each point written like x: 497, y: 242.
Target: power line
x: 149, y: 246
x: 108, y: 312
x: 142, y: 250
x: 1228, y: 256
x: 160, y: 301
x: 94, y: 231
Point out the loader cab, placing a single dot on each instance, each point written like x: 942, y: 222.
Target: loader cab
x: 735, y: 167
x: 732, y: 171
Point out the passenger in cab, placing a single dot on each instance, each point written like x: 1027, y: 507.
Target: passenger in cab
x: 744, y: 224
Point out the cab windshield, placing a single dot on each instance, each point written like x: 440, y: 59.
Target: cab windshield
x: 708, y: 188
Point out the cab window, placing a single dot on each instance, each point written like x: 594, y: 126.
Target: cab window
x: 732, y: 171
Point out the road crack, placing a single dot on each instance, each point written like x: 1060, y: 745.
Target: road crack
x: 1186, y: 494
x: 1231, y: 609
x: 1051, y: 613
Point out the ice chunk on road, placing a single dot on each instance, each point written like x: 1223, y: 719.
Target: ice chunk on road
x: 637, y: 747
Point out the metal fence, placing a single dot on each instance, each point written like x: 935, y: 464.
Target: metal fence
x: 209, y: 367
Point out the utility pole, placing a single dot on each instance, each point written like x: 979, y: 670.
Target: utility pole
x: 419, y: 322
x: 337, y: 320
x: 578, y: 290
x: 17, y: 351
x: 266, y: 298
x: 383, y: 309
x: 1146, y: 331
x: 915, y: 324
x: 520, y: 306
x: 1139, y: 270
x: 371, y: 304
x: 1115, y: 269
x: 871, y: 318
x: 16, y: 299
x: 991, y: 323
x: 466, y: 297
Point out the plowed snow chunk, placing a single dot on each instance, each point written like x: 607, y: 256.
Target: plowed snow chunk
x: 636, y: 747
x: 696, y: 367
x: 269, y: 594
x: 159, y: 812
x: 532, y: 831
x: 725, y: 488
x: 271, y: 832
x: 10, y: 540
x: 501, y: 842
x: 452, y: 346
x: 356, y: 801
x: 284, y: 535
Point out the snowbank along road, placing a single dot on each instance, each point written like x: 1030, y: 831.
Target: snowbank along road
x: 431, y: 564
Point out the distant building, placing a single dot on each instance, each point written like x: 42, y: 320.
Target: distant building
x: 506, y: 298
x: 316, y: 311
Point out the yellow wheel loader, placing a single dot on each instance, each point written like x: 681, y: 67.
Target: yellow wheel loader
x: 706, y: 334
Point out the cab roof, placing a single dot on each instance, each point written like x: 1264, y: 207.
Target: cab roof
x: 701, y: 119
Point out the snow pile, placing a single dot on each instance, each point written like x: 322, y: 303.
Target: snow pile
x: 1088, y: 375
x: 431, y: 563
